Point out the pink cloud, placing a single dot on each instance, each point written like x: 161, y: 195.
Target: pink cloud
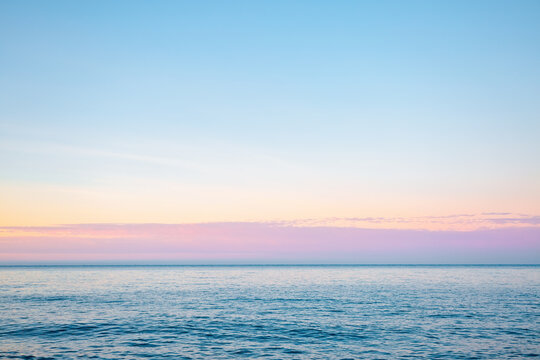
x: 246, y: 242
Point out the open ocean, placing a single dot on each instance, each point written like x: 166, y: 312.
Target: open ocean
x: 270, y: 312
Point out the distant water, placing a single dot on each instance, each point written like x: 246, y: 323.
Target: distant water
x: 318, y: 312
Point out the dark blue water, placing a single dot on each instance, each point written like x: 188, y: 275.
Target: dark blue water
x: 270, y: 312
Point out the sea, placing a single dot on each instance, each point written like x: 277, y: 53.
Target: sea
x: 270, y: 312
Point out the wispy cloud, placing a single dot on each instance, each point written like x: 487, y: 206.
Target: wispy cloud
x: 443, y: 222
x: 86, y: 152
x: 528, y: 220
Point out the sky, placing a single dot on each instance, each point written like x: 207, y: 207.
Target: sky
x: 300, y: 122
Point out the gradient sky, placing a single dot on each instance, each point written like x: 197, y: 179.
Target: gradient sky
x: 249, y: 112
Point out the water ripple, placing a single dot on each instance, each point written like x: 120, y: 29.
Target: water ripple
x: 271, y: 313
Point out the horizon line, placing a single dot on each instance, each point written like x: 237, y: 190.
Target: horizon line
x: 269, y: 264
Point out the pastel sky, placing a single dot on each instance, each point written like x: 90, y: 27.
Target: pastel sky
x: 290, y: 124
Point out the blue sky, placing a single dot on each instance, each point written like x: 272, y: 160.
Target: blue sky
x: 356, y: 108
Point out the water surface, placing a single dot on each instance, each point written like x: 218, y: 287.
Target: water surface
x: 272, y: 312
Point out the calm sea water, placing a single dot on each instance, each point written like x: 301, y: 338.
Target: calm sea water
x: 269, y: 312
